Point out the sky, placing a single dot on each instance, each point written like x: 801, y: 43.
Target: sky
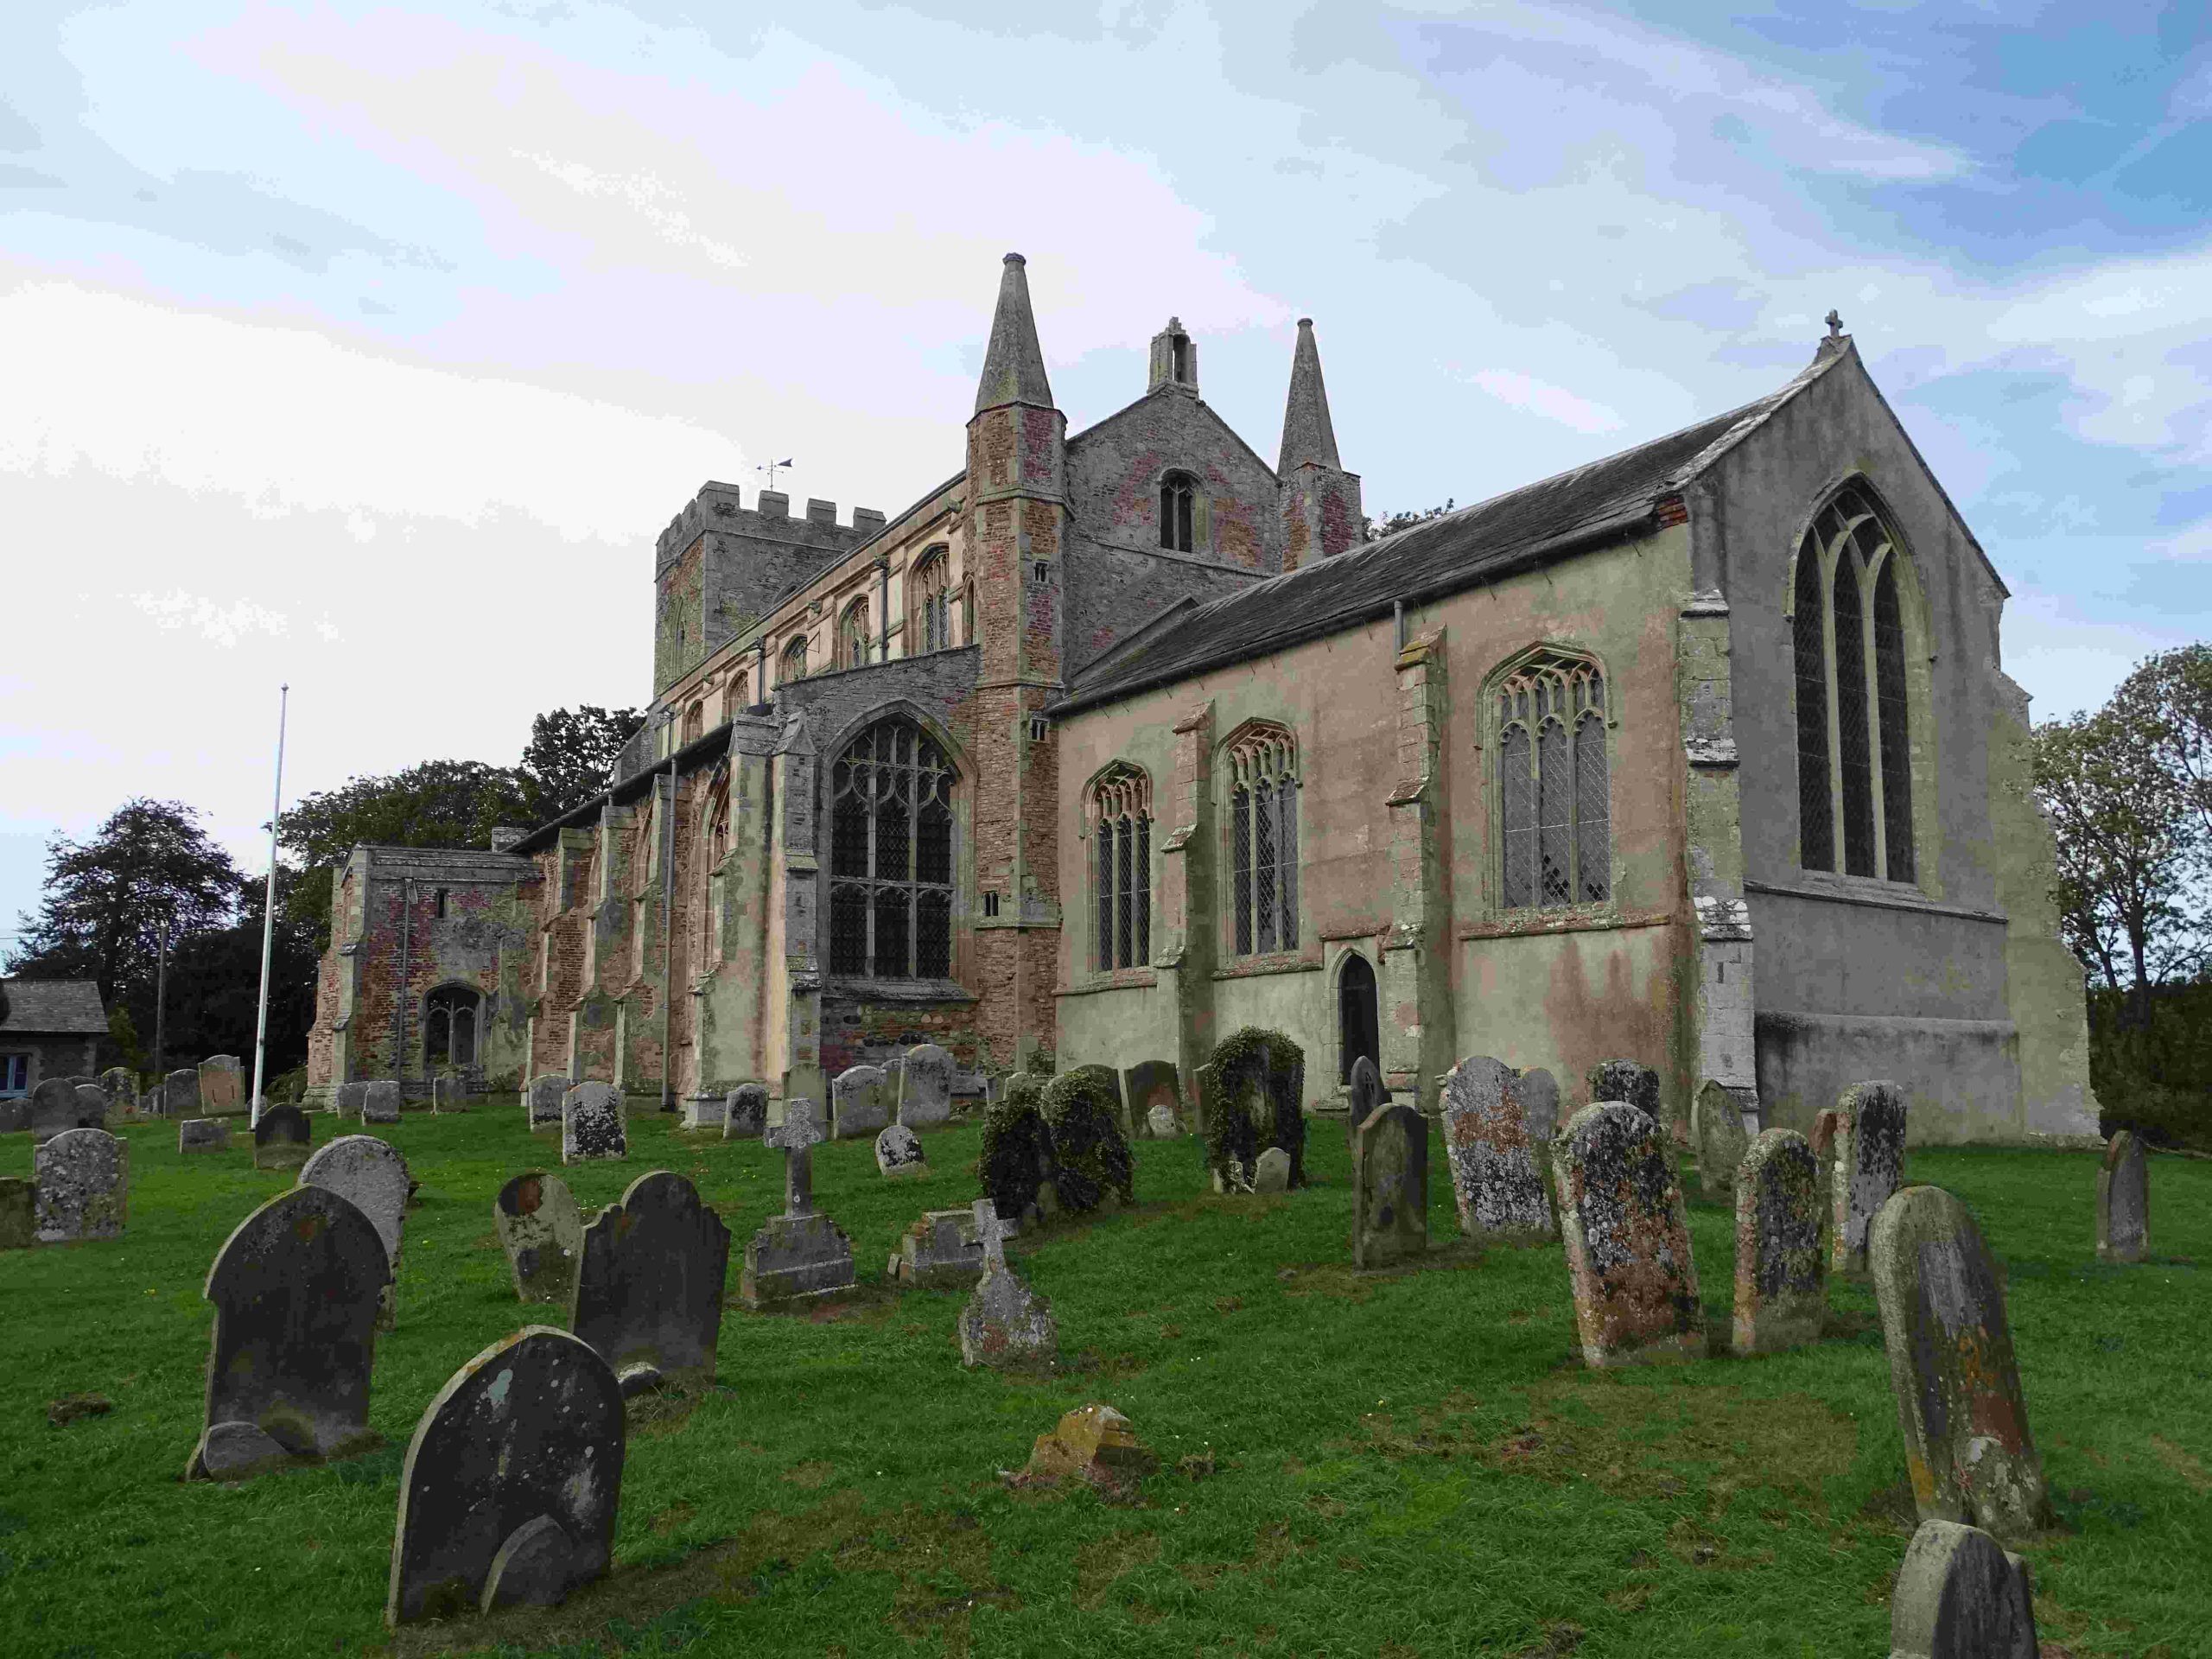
x: 367, y: 348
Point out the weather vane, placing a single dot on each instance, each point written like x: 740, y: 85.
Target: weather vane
x: 770, y: 466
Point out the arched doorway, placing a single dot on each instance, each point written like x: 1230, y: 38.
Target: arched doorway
x: 1358, y: 1029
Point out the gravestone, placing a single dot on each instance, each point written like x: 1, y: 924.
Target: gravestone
x: 925, y: 1087
x: 704, y: 1112
x: 295, y: 1287
x: 1823, y: 1139
x: 120, y: 1084
x: 541, y: 1100
x: 594, y: 1123
x: 1495, y: 1122
x: 1628, y: 1080
x: 1271, y: 1173
x: 181, y: 1093
x: 371, y: 1176
x: 18, y: 1213
x: 1782, y: 1282
x: 940, y: 1249
x: 1628, y: 1241
x: 1390, y: 1188
x: 63, y: 1104
x: 1150, y: 1087
x: 649, y: 1284
x: 1961, y: 1595
x: 448, y: 1093
x: 1718, y: 1138
x: 542, y: 1233
x: 511, y: 1482
x: 1162, y: 1122
x: 222, y: 1087
x: 1966, y: 1445
x: 746, y: 1112
x: 2123, y: 1200
x: 860, y: 1103
x: 84, y: 1185
x: 798, y: 1254
x: 345, y: 1100
x: 1005, y: 1324
x: 1869, y: 1164
x: 203, y: 1135
x: 1250, y: 1095
x: 898, y: 1154
x: 282, y: 1139
x: 15, y: 1114
x: 380, y: 1101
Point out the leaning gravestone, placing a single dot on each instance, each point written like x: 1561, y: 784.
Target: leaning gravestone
x: 1961, y: 1595
x: 282, y: 1139
x: 540, y: 1100
x: 222, y: 1087
x: 1782, y: 1281
x: 798, y: 1254
x: 649, y: 1284
x: 347, y: 1098
x: 372, y: 1177
x: 1967, y: 1443
x: 120, y: 1084
x: 181, y: 1093
x: 860, y: 1103
x: 593, y: 1123
x: 295, y: 1288
x: 1389, y: 1187
x: 18, y: 1213
x: 1152, y: 1087
x: 380, y: 1103
x: 1719, y: 1138
x: 925, y: 1087
x: 511, y: 1482
x: 1869, y: 1164
x: 57, y: 1105
x: 940, y: 1249
x: 542, y: 1233
x: 746, y: 1112
x: 1496, y: 1121
x: 2123, y: 1200
x: 203, y: 1135
x: 898, y: 1154
x: 1005, y: 1324
x: 1628, y: 1240
x: 84, y: 1185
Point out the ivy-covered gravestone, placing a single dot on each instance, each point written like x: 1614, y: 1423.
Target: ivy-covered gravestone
x: 1014, y: 1165
x: 1251, y: 1096
x: 1090, y: 1155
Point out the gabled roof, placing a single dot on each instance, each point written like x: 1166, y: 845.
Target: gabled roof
x: 51, y: 1007
x: 1605, y: 501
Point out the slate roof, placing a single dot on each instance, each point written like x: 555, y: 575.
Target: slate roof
x: 51, y: 1007
x: 1601, y: 502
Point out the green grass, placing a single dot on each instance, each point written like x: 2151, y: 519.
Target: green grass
x: 1405, y: 1463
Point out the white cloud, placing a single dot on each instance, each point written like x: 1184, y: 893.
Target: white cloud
x: 1518, y: 391
x: 220, y: 624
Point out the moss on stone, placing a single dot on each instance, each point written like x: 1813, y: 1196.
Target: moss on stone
x: 1250, y: 1090
x: 1016, y: 1158
x: 1090, y: 1155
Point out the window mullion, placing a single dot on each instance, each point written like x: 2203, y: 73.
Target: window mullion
x: 1840, y: 859
x: 1870, y: 648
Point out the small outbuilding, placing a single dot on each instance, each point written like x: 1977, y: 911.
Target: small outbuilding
x: 48, y: 1028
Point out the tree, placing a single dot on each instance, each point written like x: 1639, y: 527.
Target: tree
x: 1397, y: 521
x: 2170, y: 696
x: 215, y: 983
x: 570, y: 754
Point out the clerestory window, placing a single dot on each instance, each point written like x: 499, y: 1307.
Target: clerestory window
x: 1263, y: 764
x: 1179, y: 496
x: 932, y: 622
x: 891, y: 856
x: 792, y: 665
x: 1553, y: 790
x: 852, y: 636
x: 1121, y: 832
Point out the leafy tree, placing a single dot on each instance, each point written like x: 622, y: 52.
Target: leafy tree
x: 1391, y: 524
x: 570, y: 754
x: 215, y: 984
x: 2170, y: 696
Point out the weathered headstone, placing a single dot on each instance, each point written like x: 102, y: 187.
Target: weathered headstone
x: 860, y: 1103
x: 1628, y: 1080
x: 15, y: 1114
x: 282, y: 1139
x: 1966, y: 1445
x: 649, y: 1284
x: 181, y: 1093
x: 898, y: 1154
x: 511, y: 1482
x: 1152, y: 1087
x: 2123, y: 1200
x: 746, y: 1112
x: 93, y: 1106
x: 1272, y: 1172
x: 940, y: 1249
x: 541, y: 1099
x: 798, y: 1254
x: 371, y: 1175
x: 120, y: 1084
x: 295, y: 1288
x: 84, y: 1185
x: 1162, y: 1122
x: 705, y: 1112
x: 222, y: 1086
x: 347, y: 1098
x: 59, y: 1104
x: 1251, y: 1095
x: 925, y: 1087
x: 203, y: 1135
x: 1961, y: 1595
x: 1628, y: 1239
x: 1782, y: 1280
x: 1718, y: 1137
x: 1495, y: 1122
x: 1869, y: 1165
x: 18, y: 1213
x: 1389, y: 1187
x: 542, y: 1233
x: 448, y: 1093
x: 380, y: 1101
x: 594, y: 1123
x: 1005, y: 1324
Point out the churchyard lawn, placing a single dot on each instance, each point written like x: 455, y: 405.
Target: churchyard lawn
x: 1410, y: 1462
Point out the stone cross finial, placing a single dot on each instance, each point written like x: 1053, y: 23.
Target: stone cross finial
x: 992, y: 1233
x: 796, y: 1137
x: 1834, y: 323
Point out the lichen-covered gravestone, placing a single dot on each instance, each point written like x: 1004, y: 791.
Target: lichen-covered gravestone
x: 1005, y: 1324
x: 745, y: 1114
x: 1961, y: 1595
x: 898, y: 1154
x: 222, y: 1086
x: 925, y: 1087
x: 2123, y: 1200
x: 511, y: 1482
x: 181, y: 1093
x: 372, y: 1176
x: 593, y: 1123
x: 798, y: 1254
x: 84, y: 1185
x: 282, y: 1139
x: 1628, y: 1239
x: 120, y: 1084
x: 648, y: 1285
x: 1389, y: 1187
x: 203, y: 1135
x: 939, y: 1250
x: 1495, y: 1122
x: 1251, y: 1092
x: 860, y: 1103
x: 346, y: 1099
x: 1718, y: 1137
x: 1628, y: 1080
x: 295, y: 1288
x: 380, y: 1101
x: 1967, y: 1443
x: 1869, y: 1165
x: 1782, y: 1282
x: 542, y: 1233
x: 59, y: 1104
x: 1149, y: 1087
x: 18, y: 1213
x: 541, y: 1100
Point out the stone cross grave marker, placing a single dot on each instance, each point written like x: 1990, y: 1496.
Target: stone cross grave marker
x: 371, y: 1175
x: 1719, y: 1138
x: 380, y: 1102
x: 859, y: 1102
x: 1961, y: 1595
x: 1869, y: 1164
x: 541, y: 1100
x: 18, y: 1213
x: 542, y: 1233
x: 798, y: 1254
x: 1151, y: 1086
x: 593, y: 1123
x: 1966, y: 1445
x: 295, y: 1288
x: 1781, y: 1280
x: 648, y: 1285
x: 746, y: 1112
x: 282, y: 1139
x: 796, y: 1137
x: 1496, y: 1121
x: 925, y: 1087
x: 511, y: 1482
x: 181, y: 1093
x: 898, y: 1154
x: 83, y: 1178
x: 1005, y: 1324
x: 1390, y: 1193
x: 2123, y: 1200
x: 222, y: 1087
x: 1628, y: 1240
x: 1628, y: 1080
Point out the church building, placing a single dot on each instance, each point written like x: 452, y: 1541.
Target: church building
x: 1117, y: 740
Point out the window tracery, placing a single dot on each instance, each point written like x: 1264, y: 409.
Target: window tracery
x: 932, y: 622
x: 891, y: 835
x: 1121, y: 829
x: 1262, y: 765
x: 1554, y: 787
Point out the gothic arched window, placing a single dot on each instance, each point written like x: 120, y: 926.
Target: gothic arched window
x: 1179, y: 497
x: 1854, y: 732
x: 1263, y: 839
x: 1553, y: 790
x: 449, y: 1021
x: 852, y: 636
x: 933, y: 601
x: 1120, y: 826
x: 792, y: 665
x: 891, y: 856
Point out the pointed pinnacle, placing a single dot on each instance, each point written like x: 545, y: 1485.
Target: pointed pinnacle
x: 1308, y: 435
x: 1014, y: 366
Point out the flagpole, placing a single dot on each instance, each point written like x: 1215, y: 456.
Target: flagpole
x: 268, y: 909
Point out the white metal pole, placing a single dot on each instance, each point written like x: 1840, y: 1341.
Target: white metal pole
x: 268, y: 909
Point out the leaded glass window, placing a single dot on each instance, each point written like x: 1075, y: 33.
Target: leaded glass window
x: 1263, y: 836
x: 792, y: 665
x: 1120, y: 827
x: 852, y: 636
x: 933, y: 604
x: 1178, y: 497
x: 1553, y: 785
x: 891, y: 856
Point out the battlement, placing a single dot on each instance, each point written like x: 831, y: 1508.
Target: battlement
x: 719, y: 507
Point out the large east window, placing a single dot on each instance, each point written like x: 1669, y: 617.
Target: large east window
x: 1263, y: 839
x: 1121, y: 869
x: 891, y: 856
x: 1554, y: 792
